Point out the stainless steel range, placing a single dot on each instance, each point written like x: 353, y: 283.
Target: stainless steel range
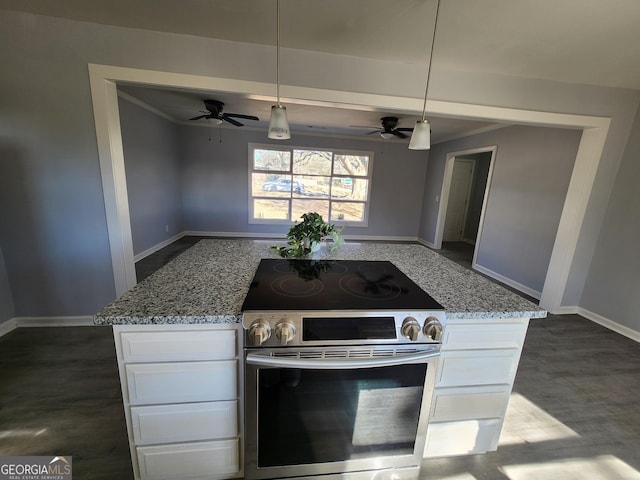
x: 340, y: 360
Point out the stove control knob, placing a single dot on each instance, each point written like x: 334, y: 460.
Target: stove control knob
x: 432, y: 329
x: 259, y: 331
x: 285, y: 332
x: 410, y: 329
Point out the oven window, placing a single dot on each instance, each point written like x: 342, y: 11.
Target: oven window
x: 314, y: 416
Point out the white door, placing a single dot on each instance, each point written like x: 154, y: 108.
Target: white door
x: 458, y: 200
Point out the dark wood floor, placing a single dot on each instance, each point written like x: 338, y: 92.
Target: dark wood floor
x: 573, y: 413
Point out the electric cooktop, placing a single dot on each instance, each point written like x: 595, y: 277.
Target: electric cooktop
x: 288, y: 284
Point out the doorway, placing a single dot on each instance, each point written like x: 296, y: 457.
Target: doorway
x: 464, y: 193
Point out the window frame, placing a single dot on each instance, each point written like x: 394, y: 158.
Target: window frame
x: 290, y: 148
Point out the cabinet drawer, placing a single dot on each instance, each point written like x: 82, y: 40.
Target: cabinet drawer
x: 210, y: 460
x: 185, y: 422
x: 484, y: 336
x: 462, y: 438
x: 177, y: 346
x: 479, y: 367
x: 156, y: 383
x: 469, y: 403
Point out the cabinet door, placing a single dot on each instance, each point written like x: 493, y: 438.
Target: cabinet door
x: 184, y: 422
x: 469, y: 403
x: 477, y: 367
x: 178, y: 346
x: 158, y: 383
x: 202, y: 460
x: 462, y: 438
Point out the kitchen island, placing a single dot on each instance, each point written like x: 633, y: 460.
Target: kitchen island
x: 179, y: 348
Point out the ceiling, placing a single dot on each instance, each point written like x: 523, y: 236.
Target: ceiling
x: 179, y: 106
x: 590, y: 42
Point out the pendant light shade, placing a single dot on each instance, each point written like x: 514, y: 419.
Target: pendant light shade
x: 421, y: 136
x: 279, y: 125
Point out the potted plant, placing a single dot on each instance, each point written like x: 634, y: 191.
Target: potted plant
x: 304, y: 237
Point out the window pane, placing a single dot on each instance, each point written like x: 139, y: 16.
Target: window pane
x: 300, y: 206
x: 273, y: 185
x: 270, y: 185
x: 350, y: 189
x: 347, y: 212
x: 311, y: 162
x: 351, y: 165
x: 311, y: 186
x: 271, y: 209
x: 271, y: 160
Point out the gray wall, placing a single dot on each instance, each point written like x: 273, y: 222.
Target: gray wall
x: 53, y: 226
x: 153, y: 176
x: 476, y: 196
x: 215, y: 182
x: 531, y: 174
x: 613, y: 286
x: 7, y: 310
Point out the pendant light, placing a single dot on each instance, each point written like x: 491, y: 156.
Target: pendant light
x: 278, y: 124
x: 421, y: 136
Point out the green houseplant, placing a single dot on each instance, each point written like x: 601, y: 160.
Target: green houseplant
x: 304, y: 237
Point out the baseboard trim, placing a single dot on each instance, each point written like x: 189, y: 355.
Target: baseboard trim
x: 281, y: 236
x: 77, y: 321
x: 610, y: 324
x: 431, y: 245
x: 8, y: 326
x: 155, y: 248
x: 18, y: 322
x: 565, y: 310
x: 507, y: 281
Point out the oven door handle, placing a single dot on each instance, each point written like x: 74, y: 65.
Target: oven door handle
x: 337, y: 363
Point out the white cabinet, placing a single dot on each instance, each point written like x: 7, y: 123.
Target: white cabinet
x: 473, y: 383
x: 181, y: 391
x: 190, y: 461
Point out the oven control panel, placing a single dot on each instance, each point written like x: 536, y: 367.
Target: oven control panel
x: 272, y: 329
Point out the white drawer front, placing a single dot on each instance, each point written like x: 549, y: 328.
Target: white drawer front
x: 156, y: 383
x: 185, y: 422
x: 483, y: 335
x: 210, y: 460
x: 468, y: 403
x: 178, y: 346
x: 480, y: 367
x: 462, y: 438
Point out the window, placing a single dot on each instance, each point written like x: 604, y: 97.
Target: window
x: 285, y: 182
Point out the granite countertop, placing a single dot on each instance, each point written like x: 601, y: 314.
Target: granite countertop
x: 208, y: 282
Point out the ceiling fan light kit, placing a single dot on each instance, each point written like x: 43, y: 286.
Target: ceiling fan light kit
x: 421, y: 136
x: 278, y: 123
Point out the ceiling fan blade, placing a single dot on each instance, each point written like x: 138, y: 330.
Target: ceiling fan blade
x: 399, y: 134
x: 232, y: 121
x: 404, y: 129
x: 199, y: 117
x: 238, y: 115
x: 374, y: 131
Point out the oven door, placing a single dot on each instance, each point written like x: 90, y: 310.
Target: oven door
x: 337, y: 410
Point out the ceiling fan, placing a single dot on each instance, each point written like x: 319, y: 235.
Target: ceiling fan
x: 389, y: 128
x: 215, y: 114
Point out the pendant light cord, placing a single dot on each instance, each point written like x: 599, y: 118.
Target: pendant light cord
x: 433, y: 41
x: 278, y: 51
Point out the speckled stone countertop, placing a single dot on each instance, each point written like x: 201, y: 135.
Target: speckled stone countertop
x: 208, y: 282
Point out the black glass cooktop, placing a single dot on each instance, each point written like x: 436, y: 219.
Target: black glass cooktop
x: 281, y: 284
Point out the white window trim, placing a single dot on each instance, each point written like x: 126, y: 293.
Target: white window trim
x: 291, y: 148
